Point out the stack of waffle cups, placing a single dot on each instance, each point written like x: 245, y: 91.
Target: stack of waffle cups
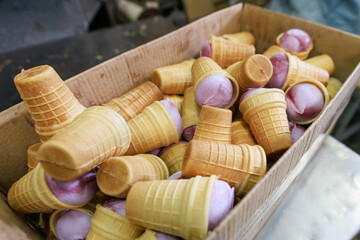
x: 214, y: 125
x: 242, y: 166
x: 265, y: 112
x: 204, y: 67
x: 254, y: 72
x: 94, y: 136
x: 226, y: 52
x: 136, y: 100
x: 300, y: 70
x: 243, y: 37
x: 176, y: 100
x: 31, y: 156
x: 109, y: 225
x: 50, y: 102
x: 151, y: 129
x: 323, y: 61
x: 173, y: 157
x: 190, y: 110
x: 173, y: 79
x: 271, y: 51
x: 241, y: 133
x: 301, y: 55
x: 177, y: 207
x: 31, y: 194
x: 117, y: 175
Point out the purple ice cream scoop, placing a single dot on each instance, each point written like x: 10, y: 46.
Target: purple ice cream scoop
x: 116, y: 205
x: 280, y: 64
x: 72, y: 225
x: 175, y: 115
x: 304, y: 102
x: 221, y: 203
x: 295, y: 40
x: 165, y: 236
x: 296, y: 131
x: 215, y: 91
x: 176, y: 176
x: 188, y: 133
x: 249, y: 92
x: 156, y: 151
x: 206, y: 50
x: 74, y: 192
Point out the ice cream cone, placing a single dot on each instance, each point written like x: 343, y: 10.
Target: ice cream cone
x: 225, y: 52
x: 301, y: 55
x: 178, y: 207
x: 241, y: 133
x: 94, y: 136
x: 117, y: 175
x: 254, y: 72
x: 151, y: 129
x: 147, y: 235
x: 31, y: 194
x: 109, y: 225
x: 243, y: 37
x: 204, y: 67
x: 31, y: 156
x: 323, y: 61
x: 190, y: 110
x: 265, y: 112
x: 274, y: 49
x: 333, y: 87
x: 214, y: 125
x: 321, y: 87
x: 50, y: 102
x: 176, y: 100
x: 173, y: 79
x: 173, y: 157
x: 136, y: 100
x: 300, y: 70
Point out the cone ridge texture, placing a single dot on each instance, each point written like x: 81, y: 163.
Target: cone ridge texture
x: 241, y: 133
x: 190, y: 110
x: 31, y: 156
x: 147, y: 235
x: 323, y: 61
x: 243, y: 37
x: 173, y: 157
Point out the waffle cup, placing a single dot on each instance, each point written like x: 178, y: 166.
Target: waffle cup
x: 300, y: 70
x: 204, y: 67
x: 109, y: 225
x: 178, y: 207
x: 242, y: 166
x: 31, y: 156
x: 274, y: 49
x: 254, y: 72
x: 176, y: 100
x: 301, y: 55
x: 117, y: 175
x: 135, y: 101
x: 173, y: 79
x: 241, y: 133
x: 225, y: 52
x: 265, y: 112
x: 333, y: 87
x: 323, y: 61
x: 173, y: 157
x: 321, y: 87
x: 190, y: 110
x: 147, y: 235
x: 214, y: 125
x: 243, y: 37
x: 50, y: 102
x: 151, y: 129
x: 56, y: 215
x: 31, y: 194
x: 94, y: 136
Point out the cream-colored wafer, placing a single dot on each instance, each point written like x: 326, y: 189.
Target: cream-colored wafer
x: 173, y: 157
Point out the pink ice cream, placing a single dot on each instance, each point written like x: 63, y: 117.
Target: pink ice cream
x: 249, y: 92
x: 188, y: 133
x: 72, y: 225
x: 221, y: 203
x: 156, y: 151
x: 116, y: 205
x: 77, y: 191
x: 215, y: 91
x: 304, y: 102
x: 176, y: 176
x: 206, y: 50
x: 296, y: 131
x: 295, y: 40
x: 165, y: 236
x: 175, y: 115
x: 280, y: 64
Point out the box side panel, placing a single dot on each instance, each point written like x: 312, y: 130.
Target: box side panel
x: 111, y: 79
x: 266, y: 25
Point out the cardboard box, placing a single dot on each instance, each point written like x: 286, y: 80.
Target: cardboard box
x: 118, y: 75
